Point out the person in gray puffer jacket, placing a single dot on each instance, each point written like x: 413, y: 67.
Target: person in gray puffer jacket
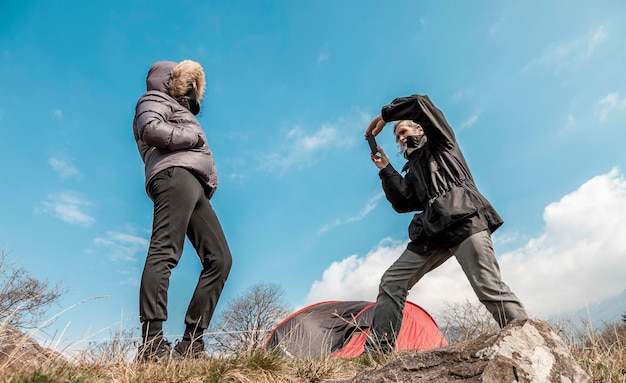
x: 180, y: 180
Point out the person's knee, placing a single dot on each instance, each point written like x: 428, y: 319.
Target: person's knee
x: 221, y: 264
x: 227, y: 263
x: 160, y: 262
x: 392, y: 288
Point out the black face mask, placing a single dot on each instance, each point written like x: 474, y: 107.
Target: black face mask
x: 415, y: 142
x: 194, y: 105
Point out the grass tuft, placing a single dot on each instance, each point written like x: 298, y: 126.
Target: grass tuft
x: 601, y: 353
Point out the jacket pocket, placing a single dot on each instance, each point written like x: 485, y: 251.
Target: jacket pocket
x: 416, y: 229
x: 447, y: 209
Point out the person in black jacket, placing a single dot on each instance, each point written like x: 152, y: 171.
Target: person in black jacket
x: 453, y: 219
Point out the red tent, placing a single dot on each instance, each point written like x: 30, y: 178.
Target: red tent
x: 340, y: 328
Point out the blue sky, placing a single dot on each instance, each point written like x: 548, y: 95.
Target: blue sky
x: 535, y: 90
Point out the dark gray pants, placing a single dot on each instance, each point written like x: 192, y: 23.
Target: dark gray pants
x: 181, y: 208
x: 478, y: 261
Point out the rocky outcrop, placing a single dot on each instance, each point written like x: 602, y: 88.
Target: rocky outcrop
x: 20, y: 350
x: 525, y: 351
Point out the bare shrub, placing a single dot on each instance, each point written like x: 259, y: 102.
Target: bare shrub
x: 119, y: 347
x: 243, y: 327
x: 460, y: 322
x: 25, y: 300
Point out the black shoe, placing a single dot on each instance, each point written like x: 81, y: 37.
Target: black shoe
x: 156, y: 350
x: 191, y: 350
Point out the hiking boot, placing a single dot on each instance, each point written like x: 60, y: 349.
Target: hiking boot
x: 191, y: 350
x: 156, y: 350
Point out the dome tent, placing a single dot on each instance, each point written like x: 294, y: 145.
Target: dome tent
x: 340, y: 329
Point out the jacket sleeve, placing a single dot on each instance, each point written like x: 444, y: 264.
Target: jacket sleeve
x: 154, y: 129
x: 398, y: 191
x: 421, y: 110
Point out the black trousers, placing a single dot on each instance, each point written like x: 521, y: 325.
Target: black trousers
x: 181, y: 208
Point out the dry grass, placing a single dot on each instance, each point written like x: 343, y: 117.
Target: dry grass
x: 601, y: 353
x: 261, y: 367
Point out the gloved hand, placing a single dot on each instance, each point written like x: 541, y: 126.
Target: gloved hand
x: 200, y: 142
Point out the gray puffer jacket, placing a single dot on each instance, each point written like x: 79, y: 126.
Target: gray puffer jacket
x: 167, y: 133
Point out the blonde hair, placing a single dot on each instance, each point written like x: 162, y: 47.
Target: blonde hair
x: 185, y: 75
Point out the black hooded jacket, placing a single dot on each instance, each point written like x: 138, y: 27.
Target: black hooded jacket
x: 438, y: 182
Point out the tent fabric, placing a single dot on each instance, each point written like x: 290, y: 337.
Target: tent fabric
x: 340, y: 329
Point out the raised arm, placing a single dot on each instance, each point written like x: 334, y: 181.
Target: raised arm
x: 420, y: 109
x: 376, y: 126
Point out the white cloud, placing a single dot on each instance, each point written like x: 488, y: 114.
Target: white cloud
x: 355, y: 278
x: 570, y: 51
x: 64, y: 168
x: 609, y: 103
x: 122, y: 247
x: 237, y: 177
x: 503, y: 239
x: 58, y: 113
x: 495, y: 27
x: 571, y: 121
x: 578, y: 259
x: 301, y: 148
x: 70, y: 207
x: 461, y: 95
x: 369, y: 206
x: 597, y: 37
x: 322, y: 57
x: 471, y: 120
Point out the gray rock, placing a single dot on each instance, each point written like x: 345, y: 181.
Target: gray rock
x: 525, y: 351
x: 20, y: 350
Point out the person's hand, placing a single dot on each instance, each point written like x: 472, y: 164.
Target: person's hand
x: 381, y: 161
x: 200, y: 142
x: 375, y: 126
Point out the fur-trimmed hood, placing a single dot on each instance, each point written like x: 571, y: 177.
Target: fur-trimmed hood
x: 176, y: 79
